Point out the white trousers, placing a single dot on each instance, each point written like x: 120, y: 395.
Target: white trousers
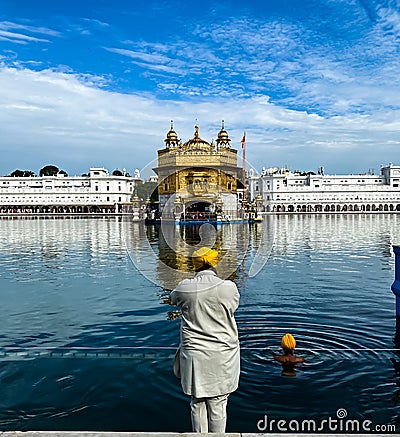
x: 209, y: 414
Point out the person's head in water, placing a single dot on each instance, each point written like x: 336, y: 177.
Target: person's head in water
x: 288, y: 343
x: 288, y: 359
x: 204, y: 259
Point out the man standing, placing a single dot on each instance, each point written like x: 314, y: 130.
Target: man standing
x: 209, y: 354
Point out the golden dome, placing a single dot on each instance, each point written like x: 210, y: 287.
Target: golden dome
x: 223, y: 136
x: 196, y: 142
x: 172, y: 137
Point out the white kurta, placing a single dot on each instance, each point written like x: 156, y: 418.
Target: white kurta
x: 210, y: 354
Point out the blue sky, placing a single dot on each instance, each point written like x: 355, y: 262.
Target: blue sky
x: 96, y: 83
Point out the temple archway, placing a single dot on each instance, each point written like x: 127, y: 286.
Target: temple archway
x: 199, y: 210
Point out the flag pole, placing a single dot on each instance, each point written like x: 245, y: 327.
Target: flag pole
x: 244, y: 165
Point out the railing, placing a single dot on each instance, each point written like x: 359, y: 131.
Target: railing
x: 396, y: 291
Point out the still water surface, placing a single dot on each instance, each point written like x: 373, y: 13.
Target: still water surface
x: 86, y: 344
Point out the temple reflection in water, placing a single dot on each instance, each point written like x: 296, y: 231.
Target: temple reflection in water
x: 176, y: 245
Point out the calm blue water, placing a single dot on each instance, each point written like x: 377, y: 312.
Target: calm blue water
x: 86, y: 344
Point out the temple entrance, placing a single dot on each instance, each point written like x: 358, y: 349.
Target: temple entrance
x: 199, y: 211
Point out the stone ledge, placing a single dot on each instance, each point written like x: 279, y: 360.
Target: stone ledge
x: 111, y: 434
x: 168, y: 434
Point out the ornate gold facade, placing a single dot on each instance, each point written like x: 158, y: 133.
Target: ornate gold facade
x: 197, y: 177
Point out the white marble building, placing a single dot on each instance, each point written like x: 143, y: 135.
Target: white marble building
x: 280, y: 190
x: 99, y: 192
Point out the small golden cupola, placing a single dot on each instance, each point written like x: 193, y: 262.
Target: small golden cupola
x: 172, y: 140
x: 223, y: 139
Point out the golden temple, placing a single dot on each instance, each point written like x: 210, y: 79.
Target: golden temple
x: 198, y: 180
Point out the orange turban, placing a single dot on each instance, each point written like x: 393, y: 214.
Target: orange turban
x: 203, y: 256
x: 288, y: 342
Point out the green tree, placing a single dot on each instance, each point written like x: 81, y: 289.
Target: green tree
x: 147, y: 189
x: 51, y: 170
x: 17, y: 174
x: 22, y: 174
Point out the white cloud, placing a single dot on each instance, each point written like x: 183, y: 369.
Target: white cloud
x: 24, y: 32
x: 19, y: 37
x: 296, y: 63
x: 96, y: 22
x: 66, y: 119
x: 7, y: 33
x: 141, y: 56
x: 7, y: 25
x: 152, y: 61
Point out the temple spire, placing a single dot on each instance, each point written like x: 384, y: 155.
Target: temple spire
x: 172, y: 140
x: 223, y: 139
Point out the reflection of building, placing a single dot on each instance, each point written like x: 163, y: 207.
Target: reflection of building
x: 280, y: 190
x: 176, y: 245
x: 198, y: 180
x: 96, y: 192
